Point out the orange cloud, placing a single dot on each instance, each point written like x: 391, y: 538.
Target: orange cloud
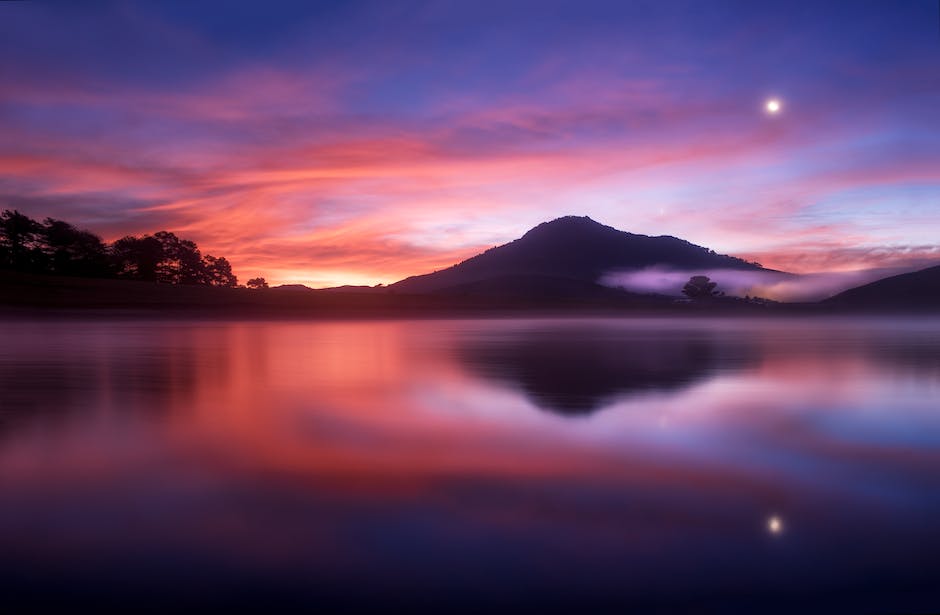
x: 267, y: 168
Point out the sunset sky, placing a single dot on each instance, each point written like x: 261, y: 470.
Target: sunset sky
x: 356, y: 143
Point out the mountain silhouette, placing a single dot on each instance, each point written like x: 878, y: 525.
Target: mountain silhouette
x: 583, y: 369
x: 572, y: 248
x: 918, y: 290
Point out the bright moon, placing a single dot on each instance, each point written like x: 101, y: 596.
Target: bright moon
x: 774, y: 525
x: 773, y: 105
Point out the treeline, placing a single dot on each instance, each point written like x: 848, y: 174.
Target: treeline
x: 56, y: 247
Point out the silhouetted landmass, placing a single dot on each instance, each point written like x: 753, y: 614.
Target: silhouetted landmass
x: 554, y: 268
x: 575, y: 248
x: 55, y: 247
x: 915, y: 291
x: 24, y: 293
x: 350, y: 288
x: 541, y: 287
x: 584, y: 369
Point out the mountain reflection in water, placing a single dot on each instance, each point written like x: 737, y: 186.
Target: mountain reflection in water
x: 580, y: 369
x: 715, y: 465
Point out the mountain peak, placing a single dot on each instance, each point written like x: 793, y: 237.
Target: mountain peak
x: 573, y: 248
x: 568, y: 222
x: 570, y: 228
x: 571, y: 219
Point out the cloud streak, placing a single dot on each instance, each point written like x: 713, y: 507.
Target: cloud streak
x: 405, y: 149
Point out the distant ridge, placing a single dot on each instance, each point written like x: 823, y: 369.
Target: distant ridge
x: 915, y: 291
x: 571, y: 248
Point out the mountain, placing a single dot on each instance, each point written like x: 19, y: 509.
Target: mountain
x: 569, y: 249
x: 918, y: 290
x: 357, y: 289
x: 585, y: 368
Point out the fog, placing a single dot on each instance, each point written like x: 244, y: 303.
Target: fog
x: 768, y: 284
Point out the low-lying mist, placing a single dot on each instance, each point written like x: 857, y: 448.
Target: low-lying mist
x: 774, y: 285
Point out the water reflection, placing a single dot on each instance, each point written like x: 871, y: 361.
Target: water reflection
x: 51, y: 371
x: 583, y: 368
x: 753, y: 466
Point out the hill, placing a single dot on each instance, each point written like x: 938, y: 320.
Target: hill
x: 570, y: 248
x: 915, y: 291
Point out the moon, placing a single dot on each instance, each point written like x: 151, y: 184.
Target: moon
x: 773, y: 106
x: 774, y: 525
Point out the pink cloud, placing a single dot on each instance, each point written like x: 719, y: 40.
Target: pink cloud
x: 265, y: 167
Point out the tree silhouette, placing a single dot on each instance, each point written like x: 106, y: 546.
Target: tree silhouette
x: 218, y: 272
x: 57, y: 247
x: 19, y: 240
x: 181, y: 263
x: 70, y: 251
x: 256, y: 283
x: 137, y: 258
x: 700, y: 287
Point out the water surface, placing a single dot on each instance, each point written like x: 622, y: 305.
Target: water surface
x: 573, y: 465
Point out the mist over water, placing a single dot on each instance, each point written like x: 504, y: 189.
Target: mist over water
x: 767, y: 284
x: 540, y: 465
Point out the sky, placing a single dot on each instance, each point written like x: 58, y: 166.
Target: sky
x: 331, y: 143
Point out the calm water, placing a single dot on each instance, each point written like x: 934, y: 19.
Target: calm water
x: 521, y: 464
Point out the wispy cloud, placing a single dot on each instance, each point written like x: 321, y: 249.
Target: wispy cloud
x: 333, y: 148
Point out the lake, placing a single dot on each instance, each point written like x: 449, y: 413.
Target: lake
x: 547, y: 465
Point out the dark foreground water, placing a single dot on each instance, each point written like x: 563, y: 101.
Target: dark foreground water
x: 504, y: 465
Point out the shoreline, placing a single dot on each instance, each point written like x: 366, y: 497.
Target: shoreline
x: 24, y: 296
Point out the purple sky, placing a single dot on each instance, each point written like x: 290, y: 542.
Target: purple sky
x: 330, y: 143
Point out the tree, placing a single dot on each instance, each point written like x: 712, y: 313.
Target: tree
x: 71, y: 251
x: 57, y: 247
x: 19, y: 240
x: 218, y: 272
x: 256, y: 283
x: 700, y: 287
x: 137, y: 257
x: 181, y: 263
